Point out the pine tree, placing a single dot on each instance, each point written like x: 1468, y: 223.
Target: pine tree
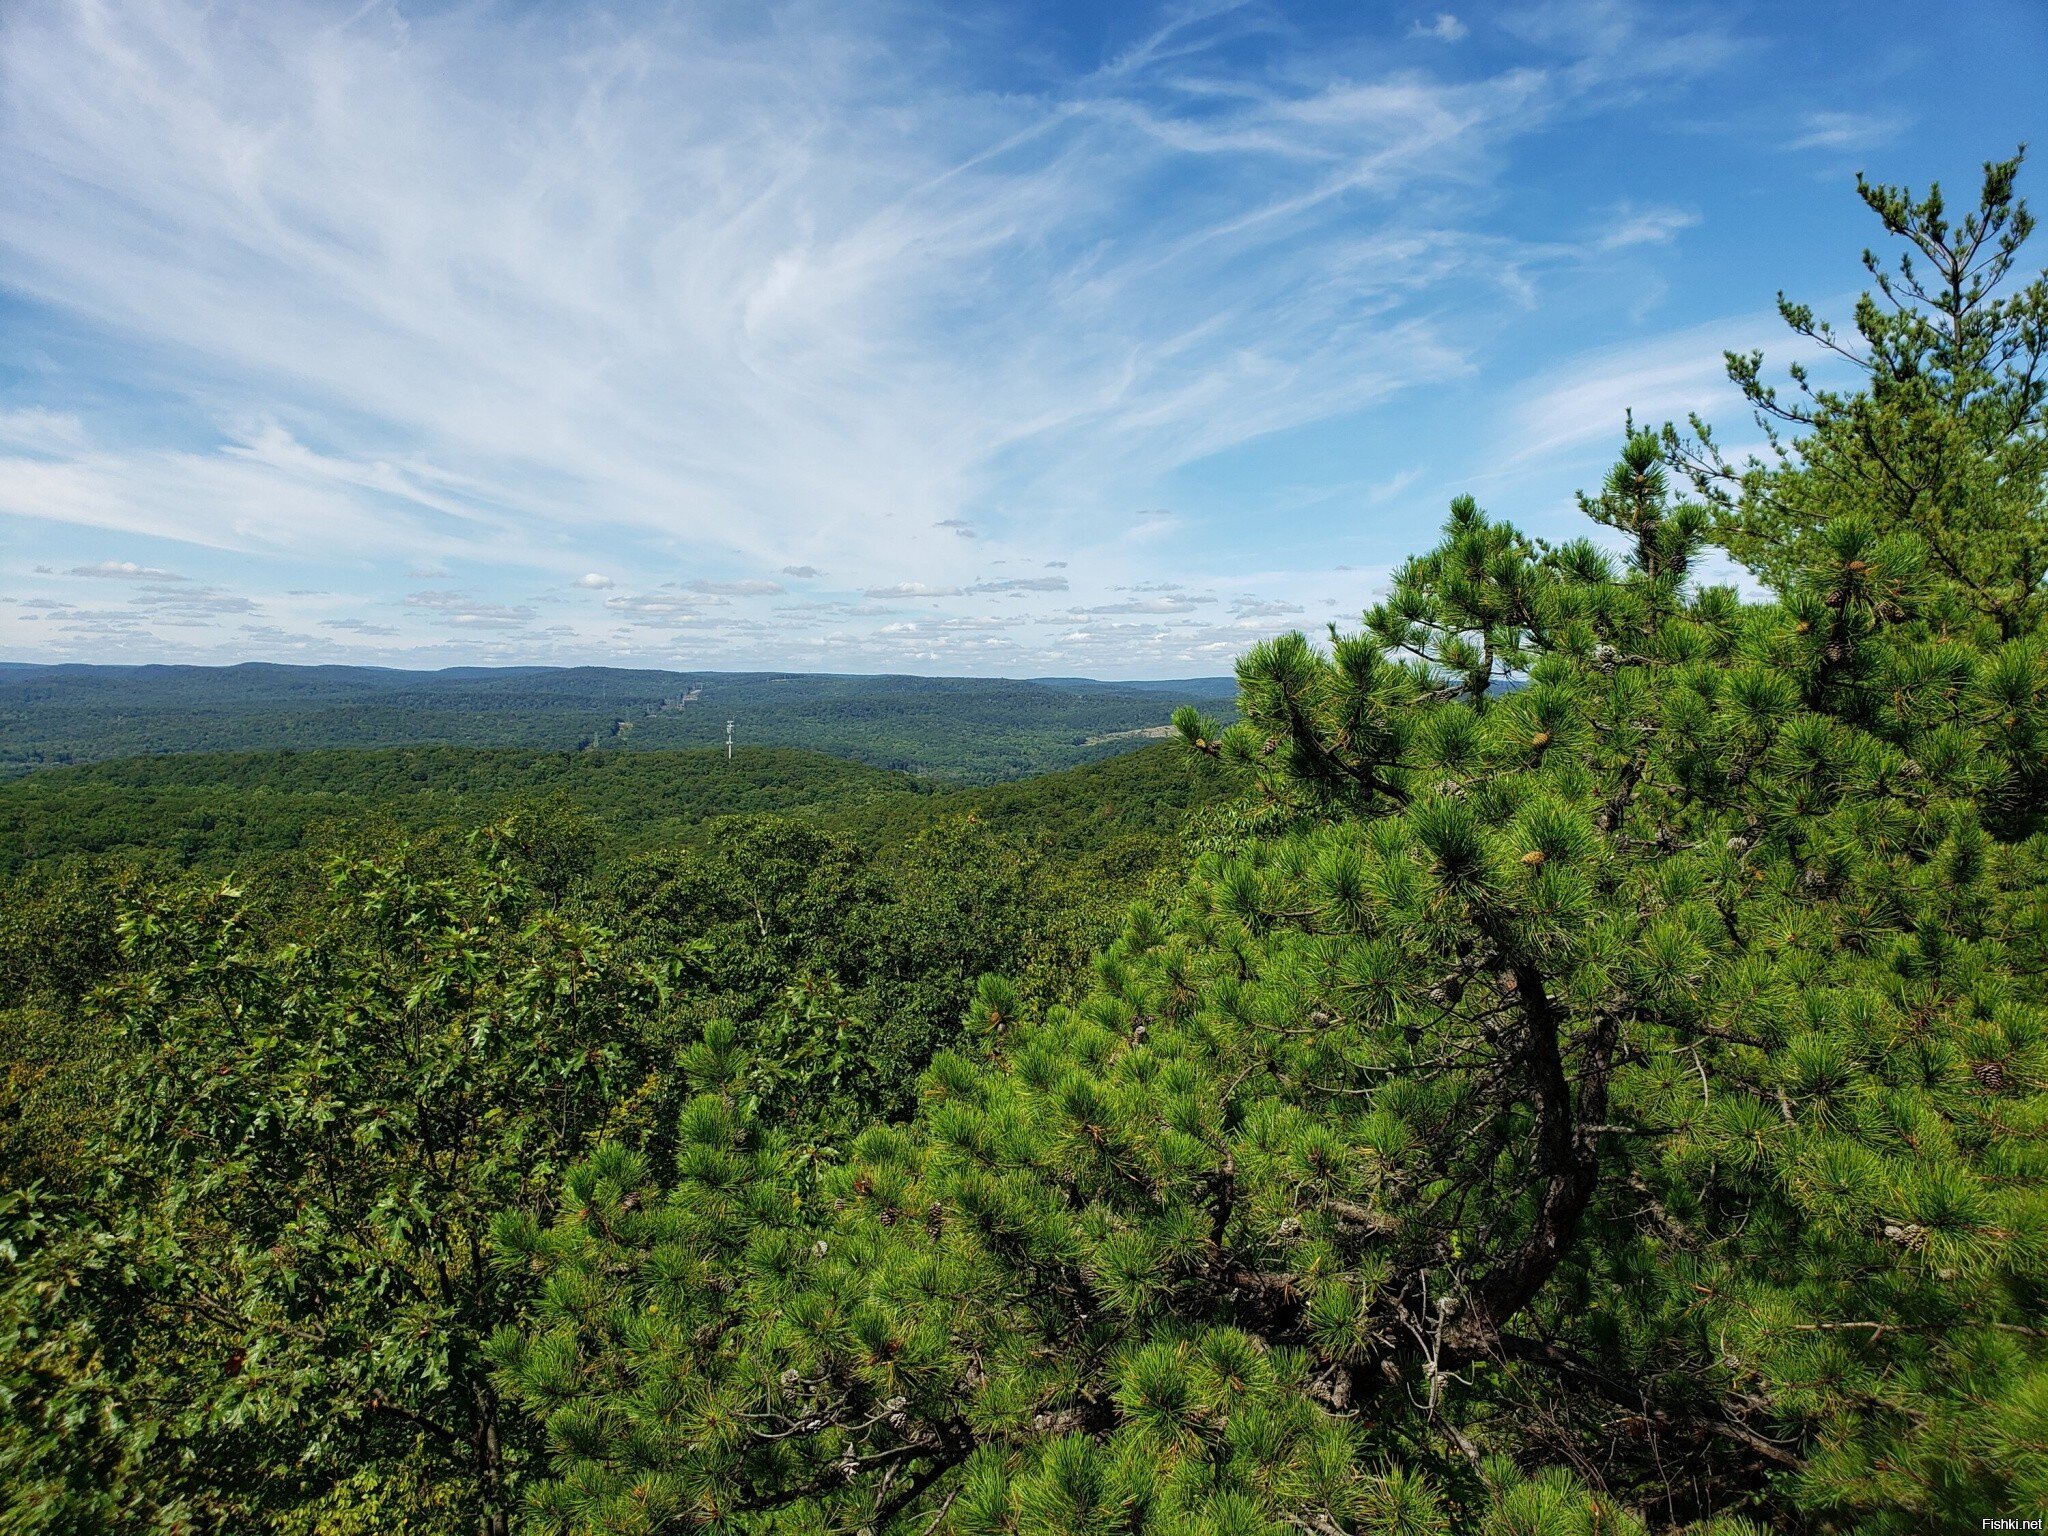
x: 1941, y: 448
x: 1615, y: 1099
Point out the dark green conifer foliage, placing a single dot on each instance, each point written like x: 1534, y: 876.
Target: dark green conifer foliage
x: 1939, y: 452
x: 1617, y: 1102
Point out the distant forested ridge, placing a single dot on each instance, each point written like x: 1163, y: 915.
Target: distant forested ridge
x: 966, y: 729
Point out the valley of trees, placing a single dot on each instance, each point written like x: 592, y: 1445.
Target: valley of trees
x: 214, y: 811
x: 957, y: 729
x: 1614, y: 1103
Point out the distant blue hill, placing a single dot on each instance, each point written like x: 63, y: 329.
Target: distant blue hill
x: 970, y: 730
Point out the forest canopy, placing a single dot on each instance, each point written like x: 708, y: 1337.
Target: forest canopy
x: 1613, y: 1102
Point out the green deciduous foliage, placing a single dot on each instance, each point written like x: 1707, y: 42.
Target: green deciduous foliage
x: 223, y: 812
x: 846, y: 966
x: 271, y: 1292
x: 59, y: 938
x: 1606, y: 1103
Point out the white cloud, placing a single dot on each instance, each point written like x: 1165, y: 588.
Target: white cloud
x: 1846, y: 130
x: 913, y: 589
x: 1445, y: 29
x: 124, y: 570
x: 191, y: 605
x: 1022, y: 584
x: 595, y: 581
x: 1144, y: 605
x: 211, y: 500
x: 467, y: 610
x: 656, y: 609
x: 1646, y: 226
x: 1582, y: 401
x: 35, y: 430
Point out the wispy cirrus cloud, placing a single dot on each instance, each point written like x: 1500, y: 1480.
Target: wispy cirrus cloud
x: 35, y: 429
x: 701, y: 284
x: 1646, y: 226
x: 1664, y: 377
x: 527, y: 297
x: 1846, y: 130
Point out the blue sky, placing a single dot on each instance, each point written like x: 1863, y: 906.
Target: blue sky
x: 954, y: 338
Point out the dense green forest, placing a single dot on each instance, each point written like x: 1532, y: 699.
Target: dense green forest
x: 212, y: 811
x: 968, y: 729
x: 1609, y: 1104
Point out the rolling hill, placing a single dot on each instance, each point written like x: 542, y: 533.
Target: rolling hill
x: 967, y: 730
